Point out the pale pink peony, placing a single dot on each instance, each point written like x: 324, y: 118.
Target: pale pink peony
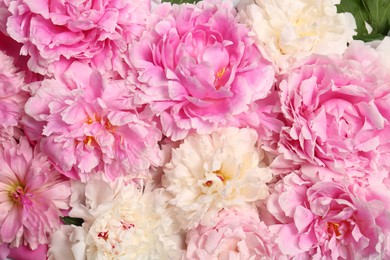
x: 91, y: 125
x: 237, y: 234
x: 337, y: 111
x: 55, y: 33
x: 330, y: 220
x: 12, y: 97
x: 32, y: 195
x: 197, y: 67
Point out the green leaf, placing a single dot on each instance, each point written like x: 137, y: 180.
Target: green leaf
x: 379, y: 15
x: 72, y: 221
x: 181, y: 1
x: 369, y: 37
x: 374, y: 12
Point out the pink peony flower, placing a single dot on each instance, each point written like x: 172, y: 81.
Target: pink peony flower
x: 32, y: 194
x: 237, y: 234
x: 92, y: 126
x: 12, y: 97
x: 330, y: 220
x: 337, y: 113
x: 197, y: 67
x: 55, y: 33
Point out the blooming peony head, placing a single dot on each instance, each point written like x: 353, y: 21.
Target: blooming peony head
x: 237, y: 234
x: 291, y: 29
x: 32, y: 195
x: 340, y: 220
x: 337, y: 113
x: 121, y: 221
x: 94, y: 124
x: 55, y: 33
x: 208, y: 173
x: 197, y: 67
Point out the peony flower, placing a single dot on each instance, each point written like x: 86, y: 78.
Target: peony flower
x: 120, y: 222
x: 32, y: 195
x: 197, y: 68
x: 55, y: 33
x: 337, y: 112
x: 91, y: 125
x: 288, y: 30
x: 330, y: 220
x: 237, y: 234
x: 12, y: 97
x: 208, y: 173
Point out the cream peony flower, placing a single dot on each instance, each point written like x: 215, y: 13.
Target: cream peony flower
x: 210, y: 172
x: 291, y: 29
x: 121, y: 222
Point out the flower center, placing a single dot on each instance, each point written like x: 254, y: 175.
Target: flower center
x: 220, y: 176
x: 333, y: 228
x: 90, y: 140
x: 126, y: 225
x: 103, y: 235
x: 103, y: 120
x: 19, y: 195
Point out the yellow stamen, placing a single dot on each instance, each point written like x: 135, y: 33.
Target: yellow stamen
x: 334, y: 227
x: 220, y: 73
x: 88, y: 140
x: 109, y: 126
x: 218, y: 76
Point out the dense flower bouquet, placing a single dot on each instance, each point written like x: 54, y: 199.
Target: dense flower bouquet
x: 133, y: 129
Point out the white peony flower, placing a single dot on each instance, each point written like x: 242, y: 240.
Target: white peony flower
x: 210, y: 172
x: 290, y: 29
x: 121, y: 222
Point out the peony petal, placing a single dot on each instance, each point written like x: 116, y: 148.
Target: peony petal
x: 302, y: 218
x: 11, y: 225
x: 288, y: 240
